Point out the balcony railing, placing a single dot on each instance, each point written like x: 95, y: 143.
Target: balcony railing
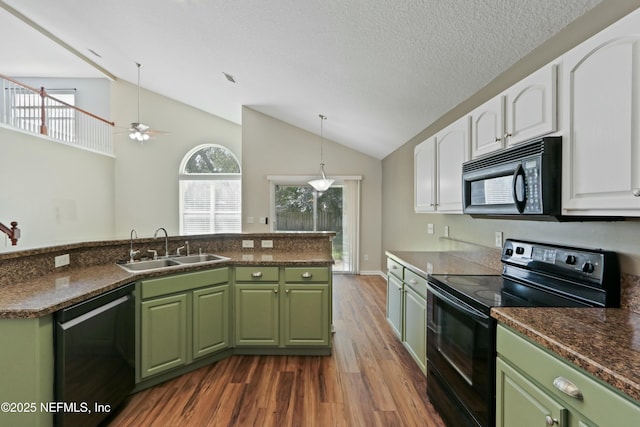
x: 34, y: 110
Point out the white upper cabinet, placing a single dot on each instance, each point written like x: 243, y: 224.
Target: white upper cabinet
x: 530, y: 106
x: 452, y: 149
x: 438, y: 169
x: 525, y: 111
x: 424, y: 175
x: 601, y: 116
x: 487, y: 127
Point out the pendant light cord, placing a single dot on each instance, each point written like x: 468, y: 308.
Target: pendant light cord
x: 322, y: 119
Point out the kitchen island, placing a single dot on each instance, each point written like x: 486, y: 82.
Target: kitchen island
x: 32, y: 290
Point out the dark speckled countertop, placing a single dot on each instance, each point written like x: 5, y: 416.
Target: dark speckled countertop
x: 602, y: 341
x: 425, y: 263
x: 51, y: 292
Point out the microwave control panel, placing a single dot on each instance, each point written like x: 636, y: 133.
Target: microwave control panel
x: 533, y: 186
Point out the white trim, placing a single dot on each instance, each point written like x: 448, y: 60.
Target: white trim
x: 298, y: 179
x: 373, y: 273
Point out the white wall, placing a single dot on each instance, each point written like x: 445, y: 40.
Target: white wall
x: 146, y: 175
x: 58, y: 194
x: 272, y: 147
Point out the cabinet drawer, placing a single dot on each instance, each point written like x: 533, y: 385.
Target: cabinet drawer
x: 600, y: 403
x: 394, y: 268
x: 183, y: 282
x: 306, y: 274
x: 417, y: 283
x: 257, y: 274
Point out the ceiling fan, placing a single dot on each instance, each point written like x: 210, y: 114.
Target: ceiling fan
x: 138, y: 130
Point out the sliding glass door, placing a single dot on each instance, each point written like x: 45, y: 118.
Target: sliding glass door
x: 298, y: 207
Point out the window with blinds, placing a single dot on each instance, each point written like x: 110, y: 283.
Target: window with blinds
x: 210, y: 191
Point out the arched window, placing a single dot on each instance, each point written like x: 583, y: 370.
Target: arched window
x: 210, y: 191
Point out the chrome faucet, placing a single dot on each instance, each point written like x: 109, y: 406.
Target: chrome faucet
x: 186, y: 244
x: 132, y: 253
x: 166, y: 241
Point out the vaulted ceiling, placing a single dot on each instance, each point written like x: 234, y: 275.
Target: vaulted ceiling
x: 380, y: 70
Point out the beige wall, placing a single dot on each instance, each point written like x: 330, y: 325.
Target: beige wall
x: 403, y: 229
x: 272, y: 147
x: 57, y: 193
x: 146, y: 175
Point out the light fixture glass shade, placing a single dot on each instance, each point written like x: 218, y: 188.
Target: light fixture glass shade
x: 323, y: 183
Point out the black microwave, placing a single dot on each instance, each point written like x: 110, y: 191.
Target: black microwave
x: 522, y: 181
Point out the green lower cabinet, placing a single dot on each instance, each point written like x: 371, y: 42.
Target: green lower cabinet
x: 283, y: 307
x: 306, y: 315
x: 256, y: 315
x: 210, y: 320
x: 164, y: 328
x: 394, y: 303
x: 535, y: 387
x: 182, y: 318
x: 520, y: 403
x: 415, y: 327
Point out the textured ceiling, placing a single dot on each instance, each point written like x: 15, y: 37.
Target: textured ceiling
x: 381, y: 71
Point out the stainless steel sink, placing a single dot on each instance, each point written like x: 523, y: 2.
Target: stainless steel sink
x: 149, y: 265
x: 173, y: 261
x: 192, y: 259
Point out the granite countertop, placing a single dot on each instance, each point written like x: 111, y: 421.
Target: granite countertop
x: 51, y: 292
x: 426, y: 263
x: 602, y: 341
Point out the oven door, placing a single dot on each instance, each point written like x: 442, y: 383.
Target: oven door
x: 460, y: 360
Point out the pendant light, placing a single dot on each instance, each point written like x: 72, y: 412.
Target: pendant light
x: 321, y: 185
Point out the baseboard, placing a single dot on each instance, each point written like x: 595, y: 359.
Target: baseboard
x: 373, y: 273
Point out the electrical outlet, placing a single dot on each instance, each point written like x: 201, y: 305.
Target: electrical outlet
x: 498, y: 239
x: 247, y: 243
x: 61, y: 260
x: 366, y: 257
x: 446, y: 231
x: 249, y: 220
x: 430, y: 228
x: 266, y: 243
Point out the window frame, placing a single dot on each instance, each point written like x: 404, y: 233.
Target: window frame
x: 183, y: 176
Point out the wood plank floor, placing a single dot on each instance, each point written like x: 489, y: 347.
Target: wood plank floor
x: 369, y: 380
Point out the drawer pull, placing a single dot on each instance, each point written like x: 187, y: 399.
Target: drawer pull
x: 306, y: 275
x: 394, y: 267
x: 413, y: 282
x: 567, y: 387
x: 551, y: 421
x: 256, y: 275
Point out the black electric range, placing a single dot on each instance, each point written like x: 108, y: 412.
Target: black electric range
x: 461, y: 333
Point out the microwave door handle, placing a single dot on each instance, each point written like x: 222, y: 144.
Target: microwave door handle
x: 519, y: 191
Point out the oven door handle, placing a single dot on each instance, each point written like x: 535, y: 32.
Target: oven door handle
x: 459, y: 305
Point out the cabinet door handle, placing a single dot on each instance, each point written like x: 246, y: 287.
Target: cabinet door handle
x: 286, y: 291
x: 551, y: 421
x: 275, y: 291
x: 567, y: 387
x: 413, y: 282
x: 394, y: 267
x: 256, y: 275
x: 498, y: 139
x: 507, y: 135
x: 307, y: 275
x: 636, y: 192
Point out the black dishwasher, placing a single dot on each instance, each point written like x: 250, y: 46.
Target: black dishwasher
x: 95, y: 357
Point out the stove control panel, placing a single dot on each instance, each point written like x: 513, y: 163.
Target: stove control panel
x: 560, y: 260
